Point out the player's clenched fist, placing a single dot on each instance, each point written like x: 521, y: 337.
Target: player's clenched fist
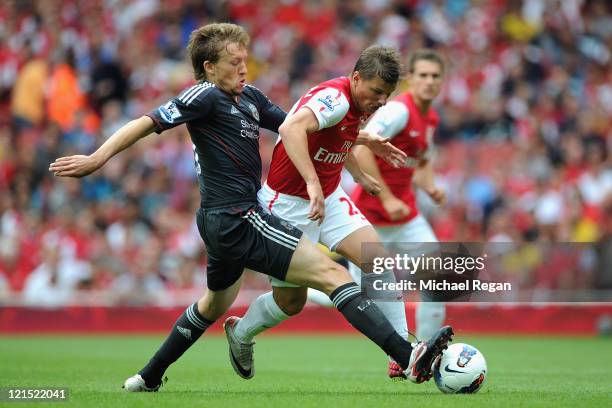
x: 437, y: 195
x: 396, y: 208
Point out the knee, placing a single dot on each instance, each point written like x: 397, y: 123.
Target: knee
x: 293, y: 307
x: 291, y: 302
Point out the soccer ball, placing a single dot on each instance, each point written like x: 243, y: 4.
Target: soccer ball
x: 461, y: 369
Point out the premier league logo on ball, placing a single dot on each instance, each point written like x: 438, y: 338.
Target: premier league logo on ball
x: 466, y: 355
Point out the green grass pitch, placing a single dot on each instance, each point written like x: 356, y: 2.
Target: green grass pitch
x: 308, y: 371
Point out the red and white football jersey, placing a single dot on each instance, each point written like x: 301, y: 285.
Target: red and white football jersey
x: 339, y: 124
x: 412, y: 132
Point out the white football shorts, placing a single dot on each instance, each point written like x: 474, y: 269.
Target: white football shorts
x: 342, y: 218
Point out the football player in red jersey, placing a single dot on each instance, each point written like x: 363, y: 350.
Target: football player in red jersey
x: 410, y: 122
x: 303, y: 188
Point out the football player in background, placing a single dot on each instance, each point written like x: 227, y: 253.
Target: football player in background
x: 410, y: 122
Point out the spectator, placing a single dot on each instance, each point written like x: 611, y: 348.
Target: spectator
x: 65, y: 98
x: 56, y: 279
x: 523, y: 143
x: 28, y: 98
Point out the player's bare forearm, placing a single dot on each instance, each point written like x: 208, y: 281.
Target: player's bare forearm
x: 352, y: 165
x: 424, y: 179
x: 294, y: 133
x: 367, y: 164
x: 123, y: 138
x: 367, y: 182
x: 381, y: 147
x: 366, y: 138
x: 424, y: 176
x: 363, y: 138
x: 81, y: 165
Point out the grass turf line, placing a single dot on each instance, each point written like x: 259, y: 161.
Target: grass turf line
x: 311, y: 371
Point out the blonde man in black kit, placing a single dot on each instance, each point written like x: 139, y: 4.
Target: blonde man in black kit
x: 238, y: 233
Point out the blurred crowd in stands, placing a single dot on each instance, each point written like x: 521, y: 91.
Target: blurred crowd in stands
x: 523, y: 147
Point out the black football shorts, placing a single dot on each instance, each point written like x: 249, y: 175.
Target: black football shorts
x: 245, y: 237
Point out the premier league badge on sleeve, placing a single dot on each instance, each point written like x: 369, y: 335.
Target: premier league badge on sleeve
x: 169, y: 112
x: 330, y: 102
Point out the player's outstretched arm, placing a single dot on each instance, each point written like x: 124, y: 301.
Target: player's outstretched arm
x: 381, y: 147
x: 81, y: 165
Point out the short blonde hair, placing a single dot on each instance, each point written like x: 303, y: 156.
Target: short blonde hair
x: 207, y: 42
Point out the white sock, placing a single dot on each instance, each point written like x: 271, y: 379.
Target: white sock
x: 355, y: 273
x: 393, y: 308
x: 319, y: 298
x: 262, y: 314
x: 429, y: 318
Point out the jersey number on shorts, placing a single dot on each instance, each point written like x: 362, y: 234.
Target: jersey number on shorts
x: 351, y: 208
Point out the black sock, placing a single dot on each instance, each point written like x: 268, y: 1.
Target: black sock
x: 187, y: 329
x: 365, y: 316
